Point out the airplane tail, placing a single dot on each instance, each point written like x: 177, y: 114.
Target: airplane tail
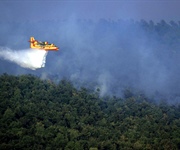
x: 31, y: 41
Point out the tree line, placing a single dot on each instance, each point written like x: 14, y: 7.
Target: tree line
x: 39, y: 114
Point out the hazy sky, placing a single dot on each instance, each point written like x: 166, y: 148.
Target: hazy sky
x: 109, y: 55
x: 90, y: 9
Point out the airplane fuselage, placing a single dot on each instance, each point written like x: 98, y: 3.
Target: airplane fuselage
x: 42, y: 45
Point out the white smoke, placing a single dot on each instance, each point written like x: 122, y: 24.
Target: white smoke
x: 103, y: 81
x: 27, y: 58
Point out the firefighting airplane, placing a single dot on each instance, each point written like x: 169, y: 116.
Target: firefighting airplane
x: 42, y: 45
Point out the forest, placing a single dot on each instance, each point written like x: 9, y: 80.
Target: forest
x: 38, y: 114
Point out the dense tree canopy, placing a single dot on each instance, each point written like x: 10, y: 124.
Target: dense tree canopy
x: 38, y: 114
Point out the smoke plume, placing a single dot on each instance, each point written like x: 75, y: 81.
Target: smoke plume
x: 27, y: 58
x: 106, y: 55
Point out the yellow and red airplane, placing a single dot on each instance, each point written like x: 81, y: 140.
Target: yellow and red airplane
x: 42, y: 45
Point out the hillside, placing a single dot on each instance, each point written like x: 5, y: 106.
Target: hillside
x: 39, y: 114
x: 113, y: 54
